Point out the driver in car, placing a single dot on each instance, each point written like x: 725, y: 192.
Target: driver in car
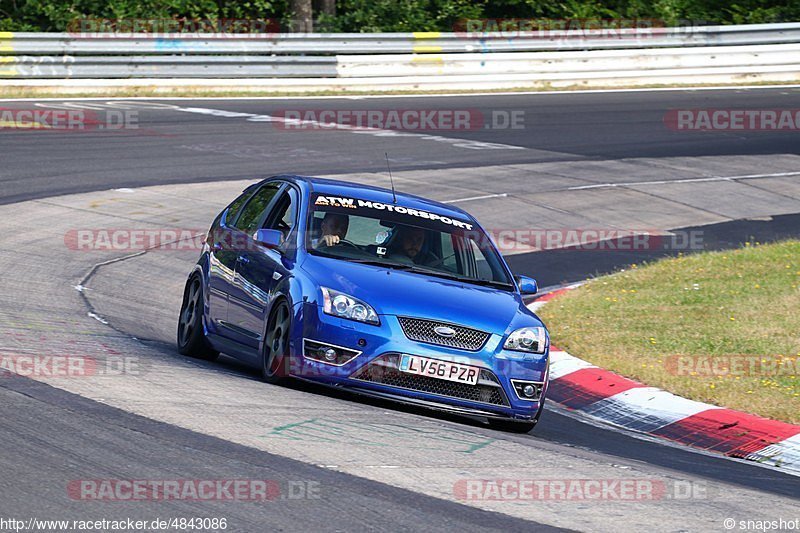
x: 333, y: 229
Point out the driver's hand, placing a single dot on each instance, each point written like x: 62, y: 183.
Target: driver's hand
x: 328, y: 240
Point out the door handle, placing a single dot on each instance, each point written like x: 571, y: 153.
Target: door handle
x: 243, y: 259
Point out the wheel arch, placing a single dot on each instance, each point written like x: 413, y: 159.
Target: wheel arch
x: 296, y: 289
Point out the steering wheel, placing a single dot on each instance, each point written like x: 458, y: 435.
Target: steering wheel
x: 348, y: 243
x: 345, y: 242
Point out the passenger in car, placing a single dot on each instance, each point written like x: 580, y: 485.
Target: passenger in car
x: 409, y: 244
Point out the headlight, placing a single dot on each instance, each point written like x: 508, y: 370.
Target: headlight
x: 345, y: 306
x: 532, y: 340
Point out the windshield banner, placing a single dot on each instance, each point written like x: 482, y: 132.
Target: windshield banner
x: 327, y: 202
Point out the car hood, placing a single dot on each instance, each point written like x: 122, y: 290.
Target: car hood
x: 395, y: 292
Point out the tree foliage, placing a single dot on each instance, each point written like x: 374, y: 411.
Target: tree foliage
x: 392, y: 15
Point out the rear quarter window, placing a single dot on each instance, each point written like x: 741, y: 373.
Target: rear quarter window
x: 233, y: 210
x: 253, y: 211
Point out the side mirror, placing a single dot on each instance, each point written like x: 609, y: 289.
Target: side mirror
x: 527, y: 285
x: 271, y: 238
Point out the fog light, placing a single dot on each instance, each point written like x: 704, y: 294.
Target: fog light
x: 530, y: 391
x: 328, y: 353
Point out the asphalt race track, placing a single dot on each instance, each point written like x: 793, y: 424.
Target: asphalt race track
x: 586, y: 160
x: 577, y: 139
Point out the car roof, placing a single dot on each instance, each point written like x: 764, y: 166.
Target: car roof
x: 376, y: 194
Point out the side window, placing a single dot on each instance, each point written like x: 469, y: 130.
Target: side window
x: 252, y: 213
x: 232, y: 211
x: 284, y: 215
x: 486, y: 269
x: 449, y: 261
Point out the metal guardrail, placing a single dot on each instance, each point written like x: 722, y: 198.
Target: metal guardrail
x: 64, y: 55
x: 139, y: 66
x: 394, y: 43
x: 590, y: 63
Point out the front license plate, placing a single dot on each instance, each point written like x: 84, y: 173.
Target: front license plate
x: 422, y: 366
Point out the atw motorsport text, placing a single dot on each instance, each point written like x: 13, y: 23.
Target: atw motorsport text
x: 352, y: 203
x: 506, y: 240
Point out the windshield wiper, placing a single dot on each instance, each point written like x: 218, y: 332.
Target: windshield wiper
x: 375, y: 262
x: 455, y: 277
x: 365, y: 261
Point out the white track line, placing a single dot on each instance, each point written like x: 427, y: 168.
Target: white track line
x: 470, y: 198
x: 687, y: 180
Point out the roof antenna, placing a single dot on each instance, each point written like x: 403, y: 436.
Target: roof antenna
x: 394, y: 196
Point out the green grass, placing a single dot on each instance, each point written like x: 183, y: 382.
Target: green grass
x: 743, y: 302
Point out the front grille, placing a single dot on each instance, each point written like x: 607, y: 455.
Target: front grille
x: 384, y: 370
x: 418, y: 329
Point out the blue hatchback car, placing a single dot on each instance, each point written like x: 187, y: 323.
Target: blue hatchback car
x: 385, y: 294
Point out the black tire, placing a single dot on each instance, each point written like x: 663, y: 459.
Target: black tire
x: 191, y: 336
x: 276, y: 344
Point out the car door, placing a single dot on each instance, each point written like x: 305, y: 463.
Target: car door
x: 259, y: 269
x: 240, y: 295
x: 222, y: 261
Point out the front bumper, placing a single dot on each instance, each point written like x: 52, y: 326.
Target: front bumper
x: 374, y: 370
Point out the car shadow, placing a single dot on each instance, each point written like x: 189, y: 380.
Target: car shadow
x: 235, y: 367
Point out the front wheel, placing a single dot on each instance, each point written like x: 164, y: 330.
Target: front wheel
x: 276, y: 344
x: 191, y: 335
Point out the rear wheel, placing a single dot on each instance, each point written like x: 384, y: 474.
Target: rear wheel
x: 191, y: 335
x: 276, y: 344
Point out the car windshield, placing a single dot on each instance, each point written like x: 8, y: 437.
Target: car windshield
x: 400, y: 237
